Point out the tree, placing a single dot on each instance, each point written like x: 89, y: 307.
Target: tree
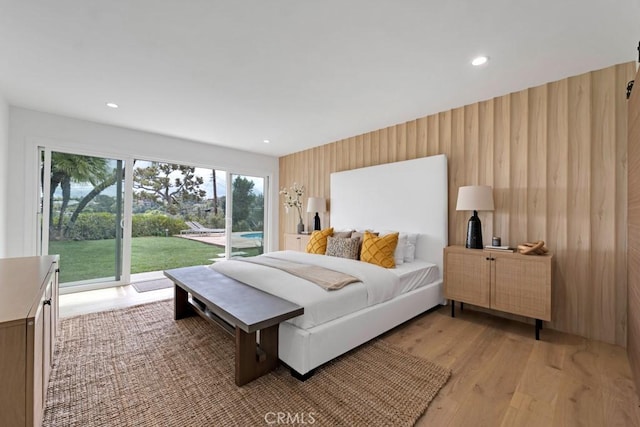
x: 107, y: 182
x: 156, y: 184
x: 68, y: 168
x: 103, y: 203
x: 215, y: 194
x: 256, y: 217
x: 243, y: 198
x: 99, y: 188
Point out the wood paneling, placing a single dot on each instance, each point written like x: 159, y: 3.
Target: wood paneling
x: 578, y: 211
x: 501, y: 167
x: 557, y: 199
x: 633, y: 295
x: 519, y: 153
x: 556, y: 157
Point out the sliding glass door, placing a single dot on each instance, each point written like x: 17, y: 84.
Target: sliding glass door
x: 247, y: 235
x: 178, y: 216
x: 108, y: 222
x: 82, y: 203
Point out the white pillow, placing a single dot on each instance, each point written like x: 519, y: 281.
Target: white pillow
x: 410, y: 249
x: 399, y: 253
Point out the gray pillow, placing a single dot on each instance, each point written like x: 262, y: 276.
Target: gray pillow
x: 343, y: 234
x: 343, y: 247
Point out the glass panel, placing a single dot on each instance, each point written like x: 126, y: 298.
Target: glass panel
x: 178, y: 217
x: 248, y: 208
x: 41, y: 203
x: 84, y: 221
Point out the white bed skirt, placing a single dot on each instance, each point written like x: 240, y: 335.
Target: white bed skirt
x: 306, y: 349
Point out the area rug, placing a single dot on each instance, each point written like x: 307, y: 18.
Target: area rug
x: 139, y: 367
x: 152, y: 285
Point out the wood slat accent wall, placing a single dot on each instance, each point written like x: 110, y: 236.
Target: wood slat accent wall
x: 556, y: 156
x: 633, y: 343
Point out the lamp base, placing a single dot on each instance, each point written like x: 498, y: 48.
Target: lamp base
x: 474, y: 233
x: 316, y: 219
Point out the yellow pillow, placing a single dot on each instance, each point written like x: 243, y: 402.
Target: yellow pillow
x: 318, y: 241
x: 379, y: 250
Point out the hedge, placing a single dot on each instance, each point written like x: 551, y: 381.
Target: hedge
x: 156, y: 225
x: 98, y: 226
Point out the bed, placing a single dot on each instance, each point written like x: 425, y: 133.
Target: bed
x: 409, y: 197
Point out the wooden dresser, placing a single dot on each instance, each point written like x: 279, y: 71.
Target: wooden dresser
x: 296, y: 242
x: 28, y: 327
x: 504, y: 281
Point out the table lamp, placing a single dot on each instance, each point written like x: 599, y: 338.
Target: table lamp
x: 475, y: 198
x: 316, y: 204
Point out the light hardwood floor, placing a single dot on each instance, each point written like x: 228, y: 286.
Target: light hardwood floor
x: 501, y: 375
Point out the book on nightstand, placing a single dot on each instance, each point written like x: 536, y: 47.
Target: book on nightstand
x: 499, y: 248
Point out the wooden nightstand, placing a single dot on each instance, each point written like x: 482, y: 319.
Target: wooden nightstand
x: 504, y: 281
x: 296, y: 242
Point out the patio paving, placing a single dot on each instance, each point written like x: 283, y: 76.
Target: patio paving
x: 221, y: 240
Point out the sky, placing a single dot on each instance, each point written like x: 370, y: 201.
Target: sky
x: 79, y: 190
x: 221, y: 181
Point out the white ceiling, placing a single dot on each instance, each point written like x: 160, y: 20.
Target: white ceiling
x: 300, y: 73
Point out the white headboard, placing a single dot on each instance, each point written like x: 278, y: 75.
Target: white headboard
x: 408, y: 196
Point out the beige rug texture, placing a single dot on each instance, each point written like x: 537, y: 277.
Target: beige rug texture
x: 139, y: 367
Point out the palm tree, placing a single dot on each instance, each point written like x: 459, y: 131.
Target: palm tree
x: 67, y: 168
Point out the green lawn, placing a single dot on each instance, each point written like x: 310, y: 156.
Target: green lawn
x: 93, y: 259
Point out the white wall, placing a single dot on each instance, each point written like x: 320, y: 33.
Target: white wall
x: 4, y: 174
x: 29, y: 129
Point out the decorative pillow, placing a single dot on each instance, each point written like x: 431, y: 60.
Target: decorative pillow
x: 360, y: 236
x: 318, y: 241
x: 343, y: 247
x: 379, y: 250
x: 398, y: 254
x: 406, y: 246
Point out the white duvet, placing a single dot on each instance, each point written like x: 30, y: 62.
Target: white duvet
x: 376, y: 285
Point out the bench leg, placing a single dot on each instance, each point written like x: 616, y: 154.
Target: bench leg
x: 245, y: 356
x: 269, y: 345
x: 181, y: 306
x: 253, y: 361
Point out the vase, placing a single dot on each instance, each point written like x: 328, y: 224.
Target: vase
x: 300, y: 227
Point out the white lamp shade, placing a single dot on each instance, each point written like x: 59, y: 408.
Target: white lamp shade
x: 475, y: 198
x: 316, y: 204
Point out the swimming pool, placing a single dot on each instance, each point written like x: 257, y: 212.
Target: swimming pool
x: 255, y: 235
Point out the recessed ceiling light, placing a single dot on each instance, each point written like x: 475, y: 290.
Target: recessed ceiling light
x: 479, y: 60
x: 266, y: 141
x: 112, y: 105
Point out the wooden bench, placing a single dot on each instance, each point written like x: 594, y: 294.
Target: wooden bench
x: 240, y: 310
